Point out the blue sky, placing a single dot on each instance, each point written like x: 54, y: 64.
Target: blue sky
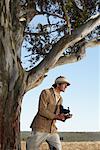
x: 82, y: 96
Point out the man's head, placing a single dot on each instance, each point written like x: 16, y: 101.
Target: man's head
x: 61, y: 83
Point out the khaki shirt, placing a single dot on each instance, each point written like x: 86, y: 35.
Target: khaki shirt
x: 44, y: 119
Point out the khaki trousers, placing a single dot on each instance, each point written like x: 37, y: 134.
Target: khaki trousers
x: 37, y: 138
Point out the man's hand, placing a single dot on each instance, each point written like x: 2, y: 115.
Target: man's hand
x: 60, y: 117
x: 67, y: 116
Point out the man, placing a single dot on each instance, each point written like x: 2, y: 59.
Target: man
x: 50, y: 109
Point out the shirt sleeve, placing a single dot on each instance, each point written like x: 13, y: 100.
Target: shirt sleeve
x: 43, y: 109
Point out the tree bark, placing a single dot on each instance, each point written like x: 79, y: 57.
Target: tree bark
x: 11, y: 94
x: 10, y: 127
x: 11, y: 77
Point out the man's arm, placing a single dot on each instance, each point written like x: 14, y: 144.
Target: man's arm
x: 43, y: 103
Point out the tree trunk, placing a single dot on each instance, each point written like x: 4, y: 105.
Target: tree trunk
x: 10, y: 125
x: 11, y: 94
x: 11, y: 76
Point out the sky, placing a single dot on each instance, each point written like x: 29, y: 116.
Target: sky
x: 82, y: 96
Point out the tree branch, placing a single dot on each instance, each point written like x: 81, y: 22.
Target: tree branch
x: 92, y: 43
x: 74, y: 57
x: 70, y: 58
x: 50, y: 14
x: 37, y: 73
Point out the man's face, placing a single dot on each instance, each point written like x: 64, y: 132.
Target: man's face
x: 62, y: 87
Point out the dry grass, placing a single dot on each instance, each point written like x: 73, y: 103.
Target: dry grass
x: 70, y: 146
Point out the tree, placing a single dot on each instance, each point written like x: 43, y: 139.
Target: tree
x: 54, y: 43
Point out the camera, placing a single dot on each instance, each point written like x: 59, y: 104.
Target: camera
x: 64, y: 111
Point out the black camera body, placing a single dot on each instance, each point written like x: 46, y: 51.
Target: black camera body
x: 64, y: 111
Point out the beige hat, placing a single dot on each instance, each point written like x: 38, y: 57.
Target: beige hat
x: 61, y: 79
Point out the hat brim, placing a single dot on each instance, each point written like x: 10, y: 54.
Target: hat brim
x: 68, y: 84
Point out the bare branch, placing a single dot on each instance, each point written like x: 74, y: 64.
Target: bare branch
x: 71, y: 58
x: 50, y: 14
x: 77, y: 57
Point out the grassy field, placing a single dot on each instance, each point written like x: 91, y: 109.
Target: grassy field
x: 71, y: 141
x: 70, y: 146
x: 70, y: 136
